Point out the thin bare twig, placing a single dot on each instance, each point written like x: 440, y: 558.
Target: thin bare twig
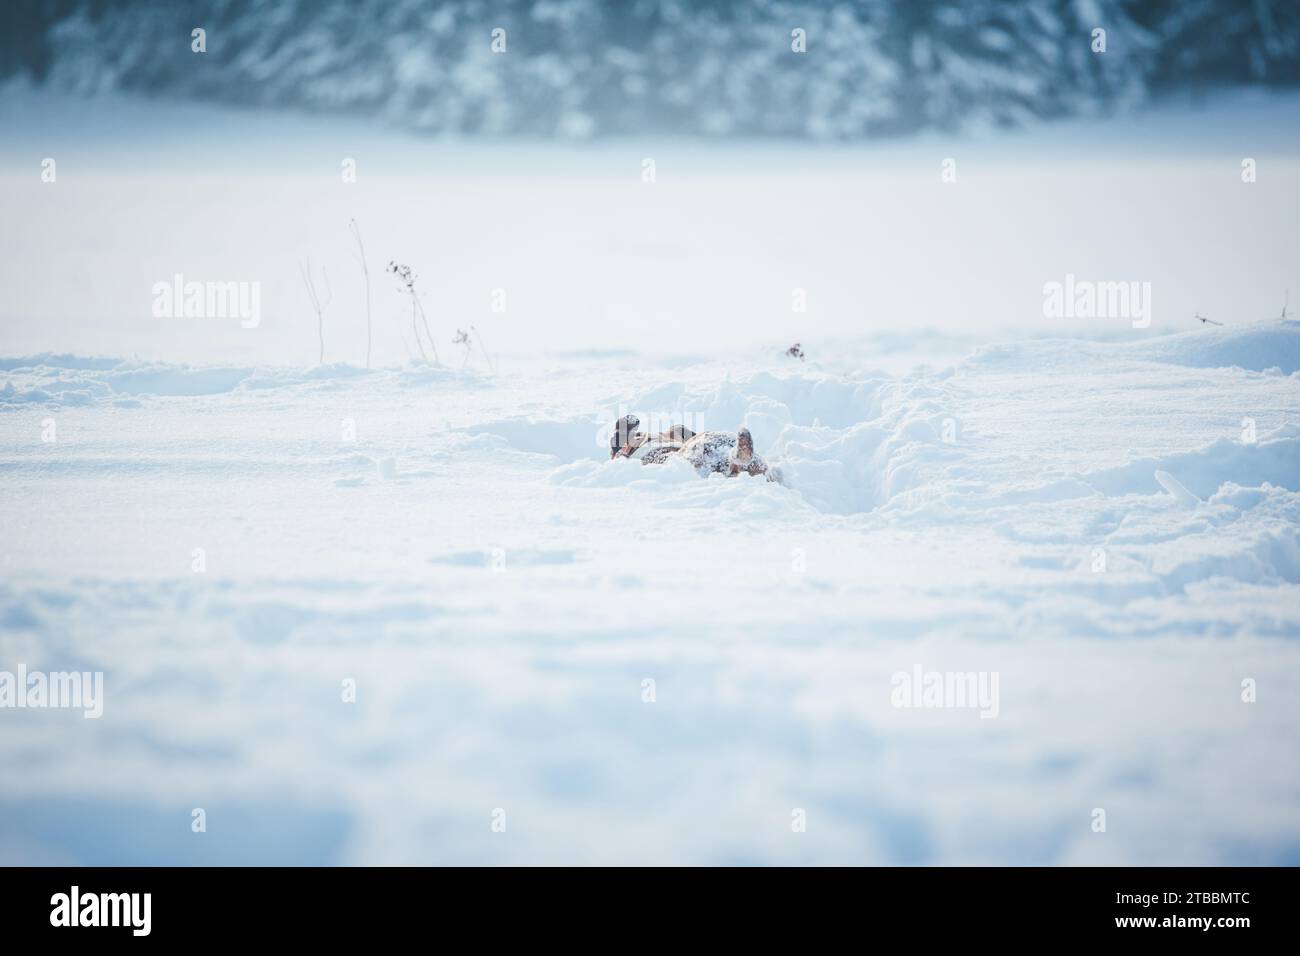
x: 425, y: 320
x: 406, y: 276
x: 316, y: 303
x: 483, y: 348
x: 365, y: 270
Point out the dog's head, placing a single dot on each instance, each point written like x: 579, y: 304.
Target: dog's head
x: 624, y: 430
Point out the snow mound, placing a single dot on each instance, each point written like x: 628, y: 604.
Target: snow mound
x: 71, y: 379
x: 50, y: 360
x: 1262, y: 557
x: 1274, y: 459
x: 1259, y: 347
x: 572, y: 440
x: 764, y: 399
x: 177, y: 380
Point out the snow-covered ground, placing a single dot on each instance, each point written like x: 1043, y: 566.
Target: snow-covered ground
x: 628, y: 664
x: 499, y: 592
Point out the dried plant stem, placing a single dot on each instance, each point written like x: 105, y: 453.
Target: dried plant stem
x: 316, y: 304
x: 483, y: 348
x: 365, y: 271
x: 425, y: 320
x: 415, y: 330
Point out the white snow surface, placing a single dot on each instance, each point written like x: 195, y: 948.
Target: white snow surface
x: 500, y: 591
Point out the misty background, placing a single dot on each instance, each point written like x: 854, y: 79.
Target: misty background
x: 524, y: 170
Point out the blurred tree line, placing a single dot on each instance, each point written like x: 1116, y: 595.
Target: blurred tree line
x: 579, y: 68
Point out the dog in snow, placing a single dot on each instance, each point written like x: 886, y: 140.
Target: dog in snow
x: 707, y: 452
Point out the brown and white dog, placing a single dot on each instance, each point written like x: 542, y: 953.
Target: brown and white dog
x: 706, y: 451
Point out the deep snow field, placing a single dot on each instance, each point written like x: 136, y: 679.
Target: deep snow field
x: 770, y: 618
x: 969, y: 487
